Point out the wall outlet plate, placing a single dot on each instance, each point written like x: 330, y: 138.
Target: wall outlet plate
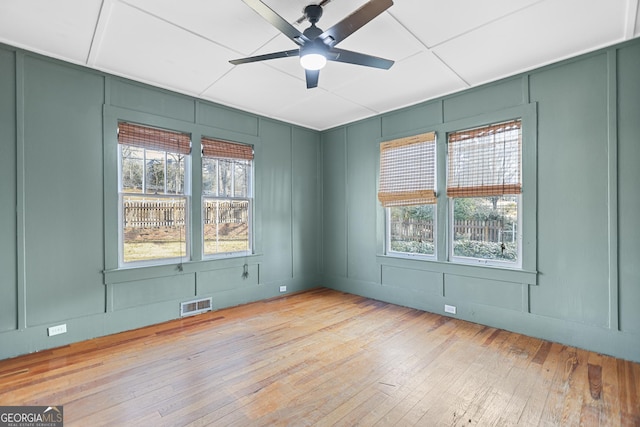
x: 57, y: 330
x: 450, y: 309
x: 283, y: 288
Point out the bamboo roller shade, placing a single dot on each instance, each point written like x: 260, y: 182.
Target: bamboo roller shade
x: 228, y: 150
x: 485, y: 161
x: 407, y: 171
x: 154, y: 138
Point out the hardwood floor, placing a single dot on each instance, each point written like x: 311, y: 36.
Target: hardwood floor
x: 324, y: 358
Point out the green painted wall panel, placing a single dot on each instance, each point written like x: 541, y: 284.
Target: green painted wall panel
x: 140, y: 316
x: 629, y: 186
x: 485, y: 99
x: 224, y: 279
x: 483, y: 291
x: 150, y: 291
x: 225, y: 118
x: 8, y: 231
x: 417, y: 117
x: 334, y: 208
x: 151, y: 100
x: 307, y: 239
x: 275, y: 174
x: 362, y: 153
x: 568, y: 299
x: 427, y: 282
x: 65, y: 255
x: 63, y: 192
x: 572, y: 191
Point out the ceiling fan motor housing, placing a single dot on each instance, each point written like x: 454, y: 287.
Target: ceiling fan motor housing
x: 312, y: 32
x: 313, y: 12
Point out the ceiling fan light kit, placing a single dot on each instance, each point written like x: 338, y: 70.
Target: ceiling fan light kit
x: 313, y: 61
x: 316, y: 47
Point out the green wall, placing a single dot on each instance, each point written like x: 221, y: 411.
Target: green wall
x: 317, y: 219
x: 58, y: 166
x: 8, y: 180
x: 628, y: 186
x: 580, y: 282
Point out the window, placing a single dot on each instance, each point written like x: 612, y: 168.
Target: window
x: 153, y: 171
x: 407, y: 191
x: 484, y: 187
x: 227, y: 197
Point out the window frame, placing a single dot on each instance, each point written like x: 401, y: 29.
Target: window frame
x: 428, y: 136
x: 411, y: 255
x: 113, y: 272
x: 526, y: 272
x: 451, y: 201
x: 483, y: 261
x: 249, y: 198
x: 186, y: 195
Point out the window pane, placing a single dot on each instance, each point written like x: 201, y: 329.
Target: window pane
x: 175, y: 173
x: 154, y: 172
x: 226, y: 226
x: 411, y: 229
x: 154, y: 228
x: 132, y: 168
x: 225, y: 167
x: 486, y: 228
x: 241, y: 179
x: 209, y: 176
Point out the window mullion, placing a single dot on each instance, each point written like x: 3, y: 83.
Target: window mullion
x: 144, y: 171
x: 233, y: 178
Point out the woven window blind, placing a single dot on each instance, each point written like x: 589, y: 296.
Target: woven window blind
x: 407, y: 171
x: 485, y: 161
x: 228, y: 150
x: 153, y: 138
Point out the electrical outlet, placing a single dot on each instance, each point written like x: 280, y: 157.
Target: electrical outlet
x: 283, y: 288
x: 450, y: 309
x: 57, y: 330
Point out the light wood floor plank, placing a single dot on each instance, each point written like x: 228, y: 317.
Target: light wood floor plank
x: 324, y: 358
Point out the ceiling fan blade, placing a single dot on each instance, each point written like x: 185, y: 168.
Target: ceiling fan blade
x: 312, y: 78
x: 274, y: 55
x: 359, y: 59
x: 354, y: 22
x: 277, y: 21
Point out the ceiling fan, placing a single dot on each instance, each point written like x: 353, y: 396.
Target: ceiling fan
x: 316, y: 46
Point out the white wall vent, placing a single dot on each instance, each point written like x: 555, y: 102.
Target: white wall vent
x: 189, y: 308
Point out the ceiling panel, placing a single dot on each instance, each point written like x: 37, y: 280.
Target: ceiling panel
x: 384, y: 37
x: 437, y: 21
x: 384, y: 91
x: 234, y: 28
x: 50, y: 27
x: 539, y: 35
x: 439, y: 47
x: 323, y: 110
x: 257, y: 88
x: 158, y: 52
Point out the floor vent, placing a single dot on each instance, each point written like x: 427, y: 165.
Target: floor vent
x: 198, y: 306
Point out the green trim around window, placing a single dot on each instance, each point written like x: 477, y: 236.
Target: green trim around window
x: 113, y: 273
x: 526, y: 273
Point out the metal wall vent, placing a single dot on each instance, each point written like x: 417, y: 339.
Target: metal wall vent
x: 189, y: 308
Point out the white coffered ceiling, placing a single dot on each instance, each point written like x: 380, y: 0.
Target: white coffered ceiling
x: 440, y: 47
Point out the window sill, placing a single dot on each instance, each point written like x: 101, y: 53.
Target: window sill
x: 135, y: 273
x: 491, y: 272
